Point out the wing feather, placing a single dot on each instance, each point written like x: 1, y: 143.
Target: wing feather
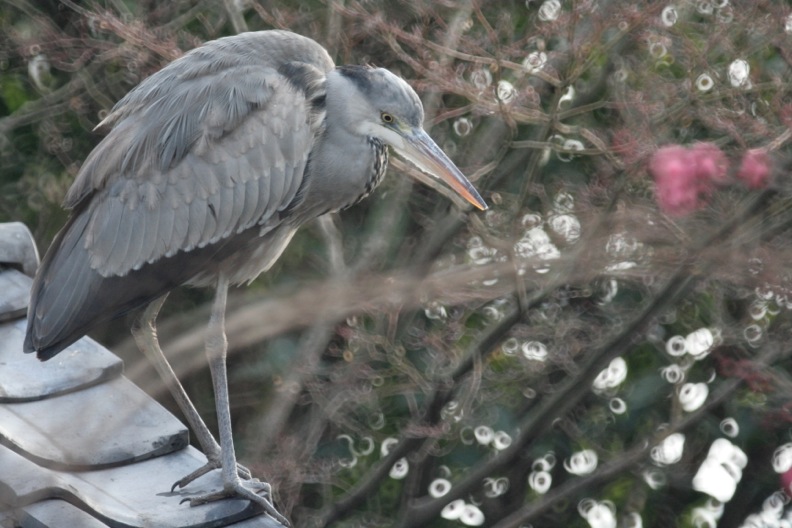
x: 181, y: 223
x: 165, y: 231
x: 224, y: 207
x: 120, y: 246
x: 137, y: 240
x: 248, y: 212
x: 206, y: 196
x: 194, y: 225
x: 207, y: 127
x: 216, y: 127
x: 151, y: 234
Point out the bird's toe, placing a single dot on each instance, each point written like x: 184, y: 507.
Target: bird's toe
x: 254, y: 490
x: 212, y: 464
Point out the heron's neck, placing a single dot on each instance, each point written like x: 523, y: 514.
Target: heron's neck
x: 344, y: 164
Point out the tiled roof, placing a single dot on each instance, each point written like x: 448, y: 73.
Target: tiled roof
x: 80, y: 444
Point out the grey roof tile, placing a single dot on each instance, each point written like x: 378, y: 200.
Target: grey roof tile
x: 106, y: 425
x: 134, y: 496
x: 18, y: 248
x: 15, y: 286
x: 23, y: 378
x: 49, y: 513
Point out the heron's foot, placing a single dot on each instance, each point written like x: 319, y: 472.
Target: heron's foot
x: 254, y: 490
x: 213, y: 463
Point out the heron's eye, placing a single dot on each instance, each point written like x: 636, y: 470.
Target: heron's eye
x: 387, y: 118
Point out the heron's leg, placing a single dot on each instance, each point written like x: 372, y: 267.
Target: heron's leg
x: 145, y: 334
x: 216, y: 351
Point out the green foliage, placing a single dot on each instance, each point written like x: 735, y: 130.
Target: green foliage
x: 14, y: 93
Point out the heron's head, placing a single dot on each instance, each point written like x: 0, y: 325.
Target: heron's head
x: 382, y: 105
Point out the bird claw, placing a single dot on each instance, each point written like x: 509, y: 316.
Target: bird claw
x: 244, y: 489
x: 244, y: 486
x: 243, y: 472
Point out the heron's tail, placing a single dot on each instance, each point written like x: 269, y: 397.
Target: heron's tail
x: 66, y: 299
x: 69, y: 298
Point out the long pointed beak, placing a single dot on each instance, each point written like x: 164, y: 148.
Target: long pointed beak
x: 424, y: 153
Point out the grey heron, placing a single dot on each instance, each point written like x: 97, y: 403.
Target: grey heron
x: 208, y: 168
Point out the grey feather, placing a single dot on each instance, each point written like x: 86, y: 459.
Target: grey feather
x: 195, y: 225
x: 164, y: 235
x: 205, y: 134
x: 114, y: 259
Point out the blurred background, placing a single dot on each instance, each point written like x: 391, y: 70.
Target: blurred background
x: 576, y: 355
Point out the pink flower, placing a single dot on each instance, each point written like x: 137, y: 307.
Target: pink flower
x: 786, y: 481
x: 678, y: 187
x: 755, y: 169
x: 711, y: 162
